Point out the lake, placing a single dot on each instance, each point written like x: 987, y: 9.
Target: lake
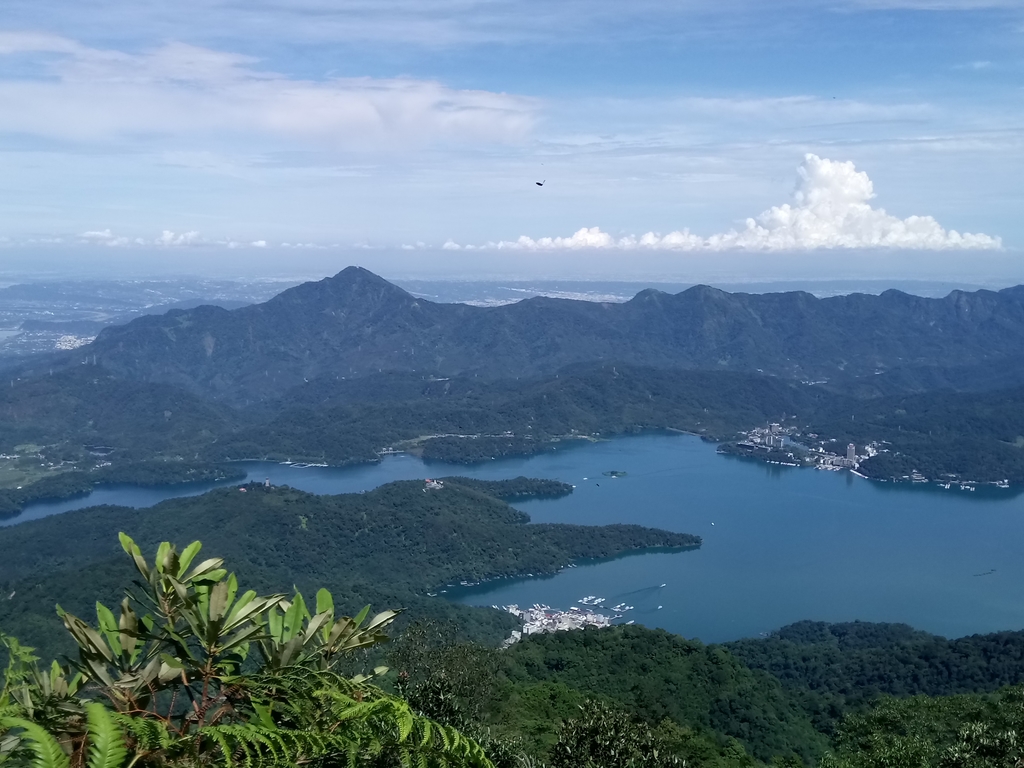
x: 780, y: 544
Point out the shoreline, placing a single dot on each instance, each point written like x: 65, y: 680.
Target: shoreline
x: 949, y: 484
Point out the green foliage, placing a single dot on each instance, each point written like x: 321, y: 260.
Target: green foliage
x: 515, y: 489
x: 968, y: 435
x: 443, y: 676
x: 660, y: 676
x: 969, y: 731
x: 330, y: 422
x: 184, y: 691
x: 838, y: 668
x: 601, y: 737
x: 107, y: 747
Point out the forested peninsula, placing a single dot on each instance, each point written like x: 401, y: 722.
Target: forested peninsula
x: 390, y: 546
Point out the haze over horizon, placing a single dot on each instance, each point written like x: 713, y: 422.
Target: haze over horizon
x: 696, y: 142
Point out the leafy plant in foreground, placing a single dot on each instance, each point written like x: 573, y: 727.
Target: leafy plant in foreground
x: 193, y: 672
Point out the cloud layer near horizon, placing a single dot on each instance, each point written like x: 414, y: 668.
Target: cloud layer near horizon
x: 73, y: 92
x: 831, y: 209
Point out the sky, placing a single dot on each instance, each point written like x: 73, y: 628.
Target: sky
x: 675, y: 139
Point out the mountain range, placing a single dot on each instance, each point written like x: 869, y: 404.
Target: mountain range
x: 356, y: 324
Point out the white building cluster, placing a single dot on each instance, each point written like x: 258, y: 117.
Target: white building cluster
x: 775, y: 437
x: 544, y: 618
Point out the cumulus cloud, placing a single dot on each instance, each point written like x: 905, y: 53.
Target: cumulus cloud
x: 105, y: 237
x: 185, y: 238
x: 831, y: 209
x: 78, y: 93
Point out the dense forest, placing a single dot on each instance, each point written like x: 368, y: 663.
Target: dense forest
x: 976, y: 436
x: 842, y: 695
x: 838, y: 668
x: 81, y: 427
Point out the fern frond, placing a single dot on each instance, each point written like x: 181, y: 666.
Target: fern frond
x: 252, y: 745
x: 106, y: 741
x: 148, y: 735
x: 45, y: 748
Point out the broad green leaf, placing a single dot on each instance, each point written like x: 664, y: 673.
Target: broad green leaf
x: 163, y: 553
x: 187, y: 557
x: 218, y: 601
x: 275, y: 620
x: 232, y: 588
x: 128, y: 627
x: 324, y: 601
x: 251, y: 609
x: 294, y: 616
x: 361, y: 617
x: 321, y: 620
x: 87, y: 638
x: 242, y: 636
x: 132, y: 549
x: 241, y: 603
x: 204, y: 568
x: 382, y: 619
x: 109, y: 627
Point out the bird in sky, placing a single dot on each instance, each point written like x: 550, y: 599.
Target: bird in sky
x: 540, y: 183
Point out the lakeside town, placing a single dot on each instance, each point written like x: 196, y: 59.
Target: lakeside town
x: 540, y: 619
x: 786, y: 446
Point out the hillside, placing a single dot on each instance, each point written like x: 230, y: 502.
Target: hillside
x: 659, y: 675
x: 839, y: 668
x: 356, y: 323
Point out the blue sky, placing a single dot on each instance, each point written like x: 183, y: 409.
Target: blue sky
x: 209, y: 135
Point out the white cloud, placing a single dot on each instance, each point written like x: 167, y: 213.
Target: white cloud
x: 831, y: 209
x: 167, y: 239
x: 104, y: 237
x: 185, y: 238
x: 80, y: 93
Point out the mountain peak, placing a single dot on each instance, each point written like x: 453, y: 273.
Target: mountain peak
x: 353, y: 285
x: 649, y: 294
x: 702, y: 291
x: 354, y: 274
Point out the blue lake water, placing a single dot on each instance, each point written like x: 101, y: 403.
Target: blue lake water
x: 780, y: 544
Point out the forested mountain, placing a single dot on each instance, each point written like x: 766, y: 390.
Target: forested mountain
x: 659, y: 675
x: 838, y: 668
x: 336, y: 370
x: 357, y: 323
